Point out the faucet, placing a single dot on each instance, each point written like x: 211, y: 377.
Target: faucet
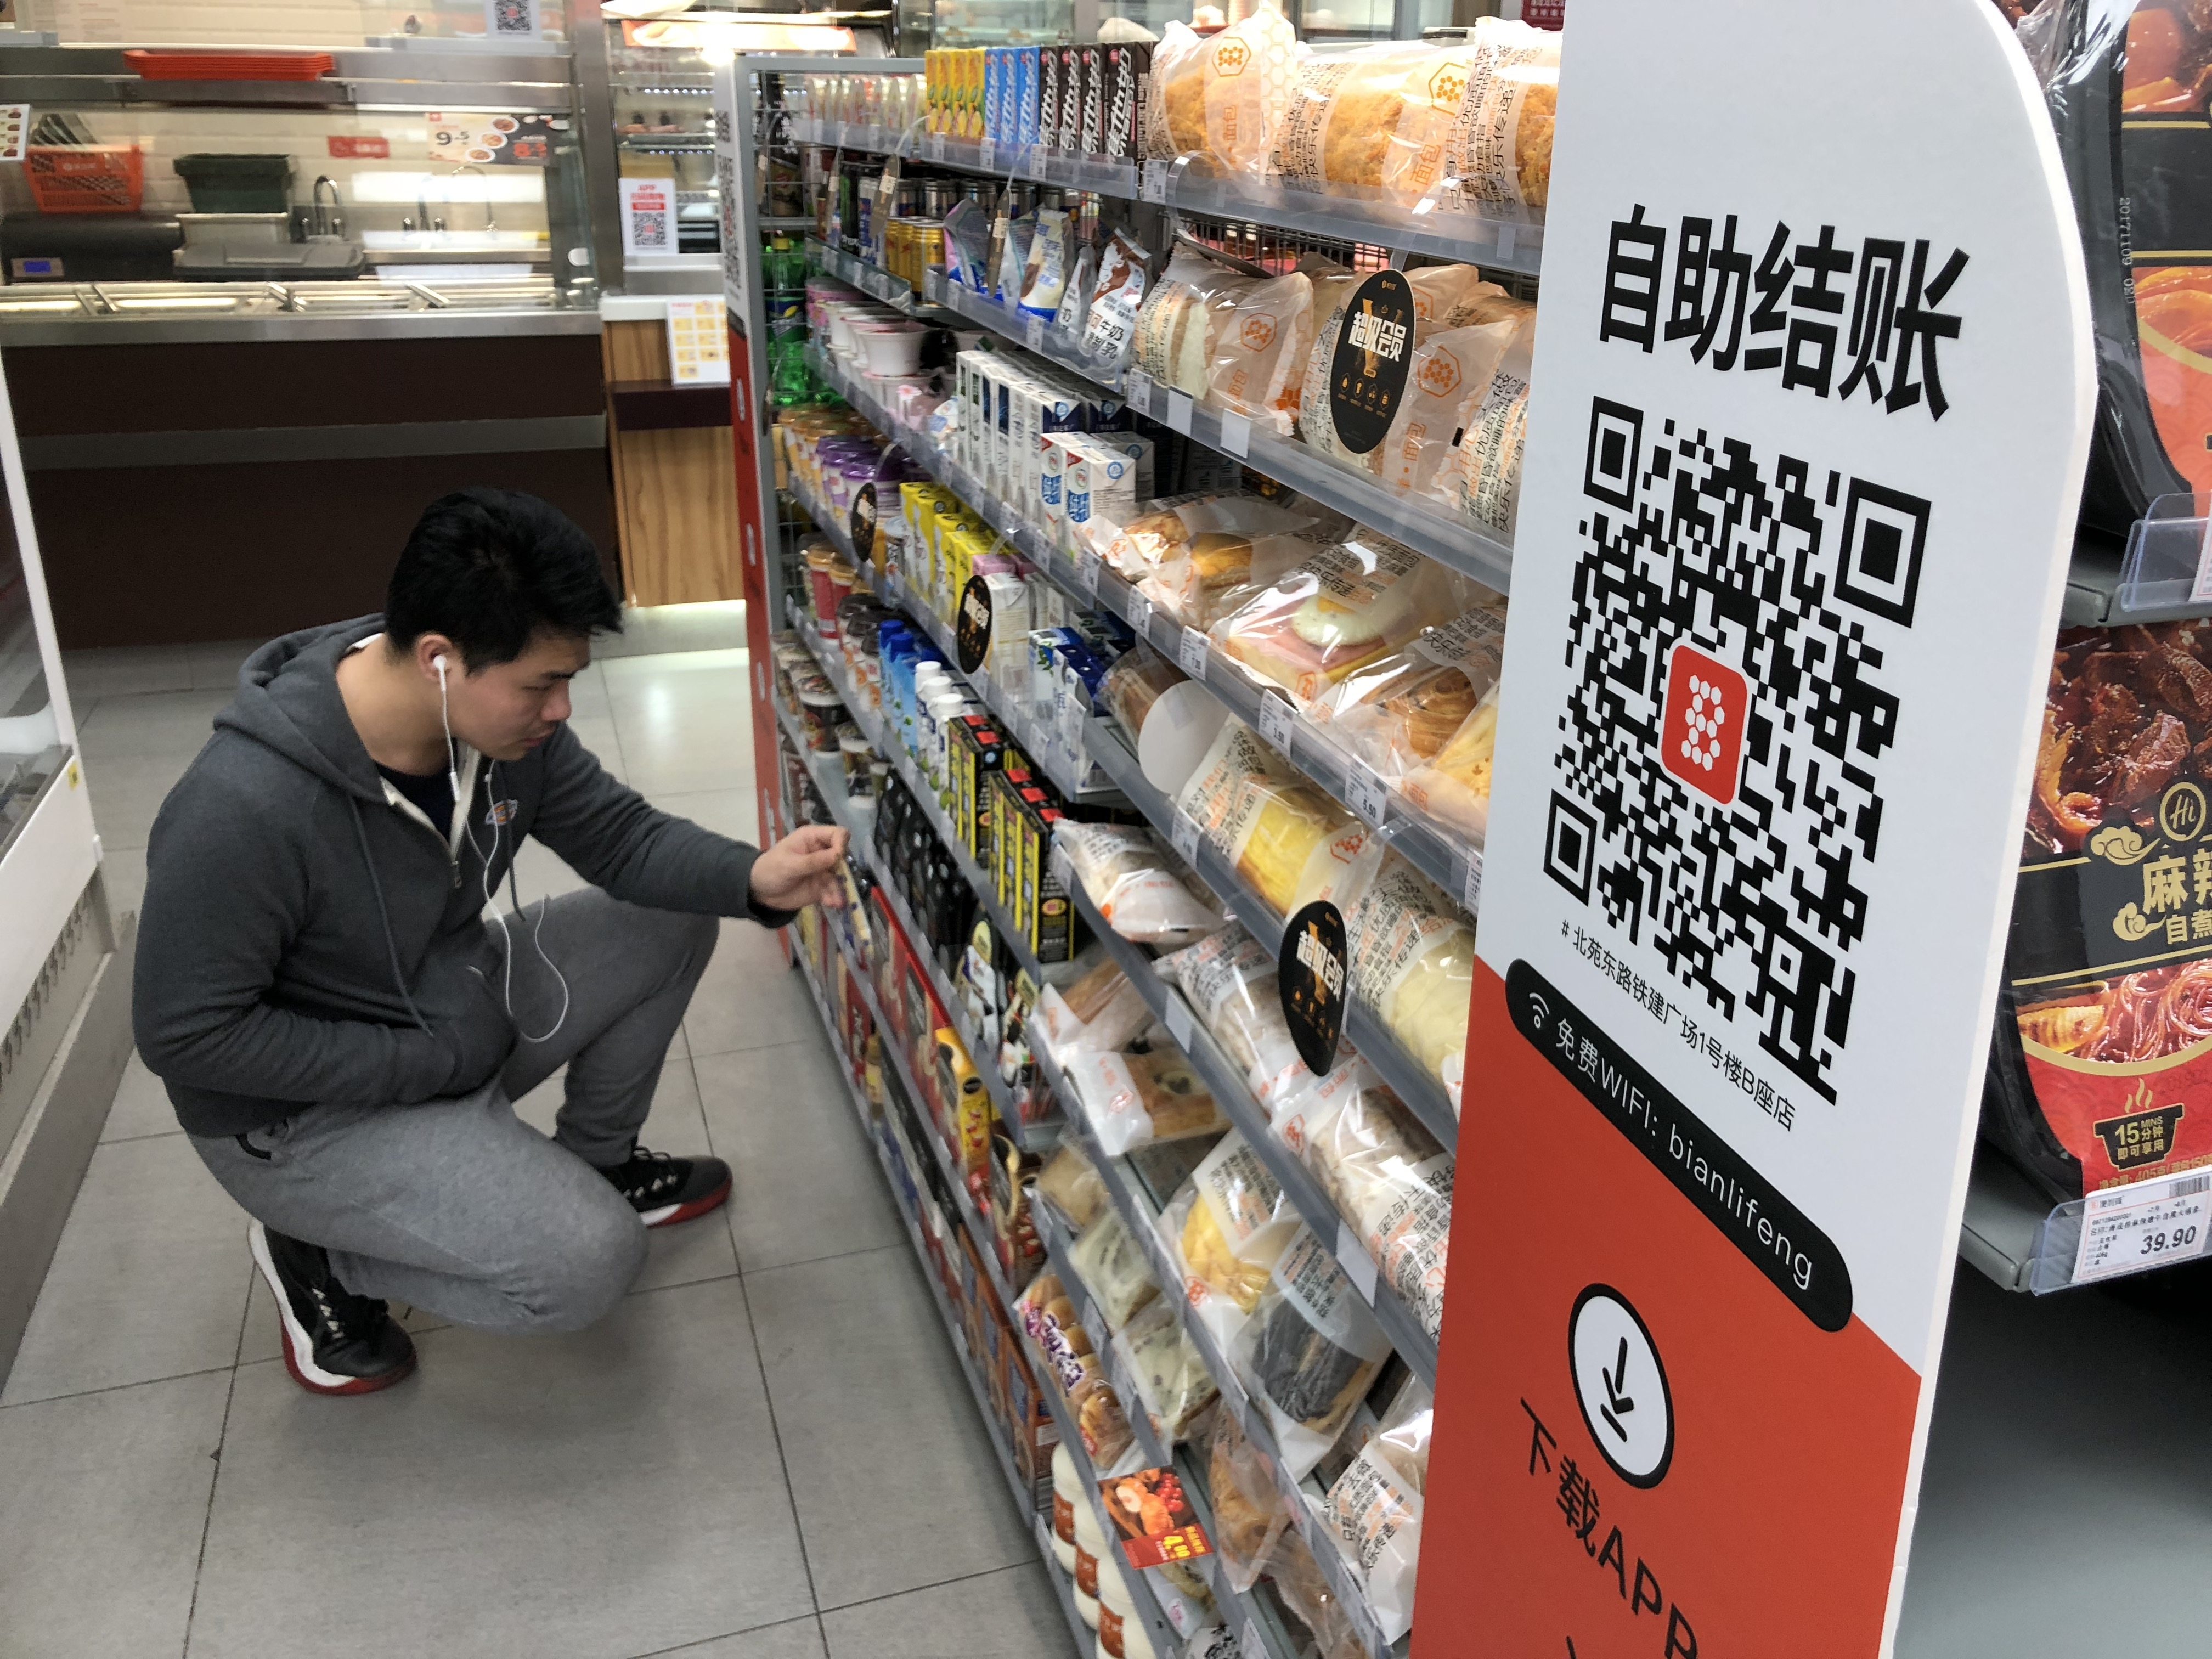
x: 491, y: 219
x: 326, y: 220
x: 423, y: 220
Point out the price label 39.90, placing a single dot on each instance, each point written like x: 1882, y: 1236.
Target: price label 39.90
x: 2143, y: 1226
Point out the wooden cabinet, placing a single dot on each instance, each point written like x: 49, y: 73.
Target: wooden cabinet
x: 675, y: 480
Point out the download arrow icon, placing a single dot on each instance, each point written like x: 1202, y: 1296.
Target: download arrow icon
x: 1618, y: 1405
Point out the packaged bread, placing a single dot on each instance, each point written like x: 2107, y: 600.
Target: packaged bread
x: 1483, y: 481
x: 1453, y: 370
x: 1339, y: 129
x: 1133, y: 683
x: 1286, y: 837
x: 1316, y: 426
x: 1249, y: 1511
x: 1071, y: 1184
x: 1188, y: 552
x: 1172, y: 1383
x: 1453, y: 784
x: 1238, y: 1225
x: 1497, y: 155
x: 1102, y: 1421
x: 1133, y: 1099
x: 1169, y: 341
x: 1047, y: 1317
x: 1397, y: 713
x: 1448, y: 296
x: 1355, y: 600
x: 1310, y: 1599
x: 1412, y: 965
x: 1113, y: 1269
x: 1259, y: 337
x: 1099, y: 1009
x: 1373, y: 1509
x: 1139, y: 886
x: 1220, y: 96
x: 1229, y: 981
x: 1309, y: 1353
x: 1385, y: 1174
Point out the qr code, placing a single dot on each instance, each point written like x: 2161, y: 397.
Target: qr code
x: 1719, y: 788
x: 648, y: 229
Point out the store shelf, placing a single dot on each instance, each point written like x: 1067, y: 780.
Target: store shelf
x: 1141, y: 1217
x: 1495, y: 240
x: 871, y: 280
x: 1025, y: 1496
x: 2016, y: 1236
x: 1447, y: 861
x: 1423, y: 1095
x: 1225, y: 1079
x: 859, y: 826
x: 1033, y: 333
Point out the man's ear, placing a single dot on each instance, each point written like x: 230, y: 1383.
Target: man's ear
x: 429, y: 650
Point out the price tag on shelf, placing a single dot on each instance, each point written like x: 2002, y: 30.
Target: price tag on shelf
x: 1178, y: 1613
x: 1179, y: 1022
x: 1137, y: 391
x: 1506, y: 242
x: 1140, y: 613
x: 987, y: 153
x: 1033, y: 333
x: 1153, y: 182
x: 937, y: 147
x: 1010, y: 522
x: 1359, y: 1267
x: 1471, y: 894
x: 1367, y: 793
x: 1275, y: 719
x: 2142, y: 1227
x: 1086, y: 572
x: 1178, y: 415
x: 1185, y: 837
x: 1191, y: 653
x: 1236, y: 435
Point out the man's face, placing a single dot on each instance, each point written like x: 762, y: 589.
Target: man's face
x: 510, y: 709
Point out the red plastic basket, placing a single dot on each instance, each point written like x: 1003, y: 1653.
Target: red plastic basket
x: 230, y: 65
x: 86, y: 177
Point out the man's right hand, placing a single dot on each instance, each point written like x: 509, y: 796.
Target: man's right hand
x: 800, y: 870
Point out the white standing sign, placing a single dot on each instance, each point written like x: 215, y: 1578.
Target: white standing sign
x: 1813, y: 394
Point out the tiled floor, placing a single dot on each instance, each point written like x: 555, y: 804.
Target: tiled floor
x: 766, y: 1453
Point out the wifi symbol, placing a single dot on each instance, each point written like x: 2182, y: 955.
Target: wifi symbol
x: 1543, y: 1009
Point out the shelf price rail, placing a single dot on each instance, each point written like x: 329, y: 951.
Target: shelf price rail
x: 1139, y: 1216
x: 1444, y: 858
x: 1025, y: 1496
x: 1032, y: 1137
x: 1186, y: 186
x: 1451, y: 867
x: 1225, y: 1079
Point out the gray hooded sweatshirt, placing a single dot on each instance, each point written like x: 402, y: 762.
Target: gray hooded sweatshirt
x: 306, y: 938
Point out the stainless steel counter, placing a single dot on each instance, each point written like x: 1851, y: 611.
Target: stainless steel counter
x: 165, y: 313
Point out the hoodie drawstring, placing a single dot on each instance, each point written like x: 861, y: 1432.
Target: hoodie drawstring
x: 384, y: 915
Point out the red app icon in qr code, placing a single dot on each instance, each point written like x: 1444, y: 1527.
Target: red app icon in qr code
x: 1701, y: 739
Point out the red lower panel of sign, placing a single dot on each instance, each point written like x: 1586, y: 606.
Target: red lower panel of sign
x: 1643, y: 1449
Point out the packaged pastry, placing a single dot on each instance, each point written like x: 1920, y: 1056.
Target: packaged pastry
x: 1072, y: 1186
x: 1172, y: 1380
x: 1258, y: 339
x: 1384, y: 1173
x: 1353, y: 601
x: 1413, y: 965
x: 1099, y: 1011
x: 1339, y: 131
x: 1453, y: 372
x: 1316, y: 425
x: 1498, y: 151
x: 1047, y: 1317
x: 1397, y: 713
x: 1484, y: 482
x: 1309, y: 1353
x: 1238, y: 1225
x: 1449, y: 296
x: 1113, y: 1269
x: 1307, y: 1596
x: 1137, y: 885
x: 1102, y: 1421
x: 1116, y: 296
x: 1249, y: 1512
x: 1220, y: 539
x: 1288, y: 838
x: 1221, y: 95
x: 1134, y: 683
x: 1373, y: 1510
x: 1170, y: 340
x: 1454, y: 786
x: 1229, y: 982
x: 1132, y: 1099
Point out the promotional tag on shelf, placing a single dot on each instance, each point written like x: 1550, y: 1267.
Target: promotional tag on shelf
x: 972, y: 629
x: 1178, y: 411
x: 1184, y: 836
x: 1153, y: 182
x: 1358, y: 1265
x: 1086, y: 572
x: 1310, y: 978
x: 1276, y: 716
x: 1365, y: 792
x: 2146, y: 1225
x: 1236, y: 435
x: 1139, y: 613
x: 1757, y: 1039
x: 1191, y: 651
x: 1179, y: 1022
x: 1152, y: 1516
x: 1374, y: 357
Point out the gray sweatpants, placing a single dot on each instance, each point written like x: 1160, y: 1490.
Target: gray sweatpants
x: 456, y: 1205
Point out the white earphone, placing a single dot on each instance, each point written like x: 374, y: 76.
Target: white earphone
x: 491, y: 902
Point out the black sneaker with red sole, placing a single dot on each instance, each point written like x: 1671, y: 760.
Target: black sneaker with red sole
x: 335, y: 1342
x: 665, y: 1190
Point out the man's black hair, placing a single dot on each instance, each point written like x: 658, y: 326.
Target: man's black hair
x: 492, y: 568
